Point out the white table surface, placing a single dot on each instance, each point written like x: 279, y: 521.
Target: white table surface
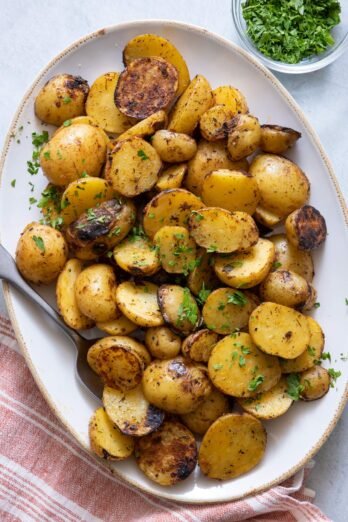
x: 32, y: 32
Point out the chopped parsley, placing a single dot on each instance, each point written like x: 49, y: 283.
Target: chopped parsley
x: 217, y: 366
x: 241, y: 361
x: 311, y: 351
x: 256, y: 382
x: 198, y: 216
x: 276, y: 265
x: 316, y: 305
x: 13, y: 183
x: 203, y: 295
x: 188, y: 309
x: 294, y: 388
x: 326, y: 356
x: 151, y: 215
x: 142, y: 155
x: 67, y: 123
x: 47, y: 154
x: 346, y: 301
x: 334, y: 375
x: 211, y: 249
x: 39, y: 242
x: 32, y: 201
x: 136, y: 234
x: 57, y: 222
x: 38, y: 140
x: 237, y: 298
x: 67, y: 99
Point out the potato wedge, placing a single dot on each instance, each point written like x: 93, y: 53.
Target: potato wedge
x: 277, y: 139
x: 279, y: 330
x: 147, y: 127
x: 179, y: 308
x: 288, y: 257
x: 106, y: 439
x: 215, y: 122
x: 148, y: 45
x: 176, y: 250
x: 219, y: 230
x: 119, y: 326
x: 306, y: 228
x: 226, y: 310
x: 199, y: 345
x: 316, y: 383
x: 162, y: 342
x: 131, y: 412
x: 232, y: 98
x: 246, y: 269
x: 196, y: 99
x: 168, y: 455
x: 137, y: 256
x: 215, y: 405
x: 286, y: 288
x: 237, y: 367
x: 233, y: 445
x: 231, y: 189
x: 157, y: 213
x: 66, y: 298
x: 171, y: 178
x: 244, y: 136
x: 138, y: 302
x: 173, y: 147
x: 313, y: 352
x: 270, y: 404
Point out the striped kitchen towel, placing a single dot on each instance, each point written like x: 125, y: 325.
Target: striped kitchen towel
x: 46, y: 476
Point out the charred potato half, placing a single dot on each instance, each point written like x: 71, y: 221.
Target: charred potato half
x: 306, y: 228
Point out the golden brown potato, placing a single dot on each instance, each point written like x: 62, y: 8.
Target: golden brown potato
x: 171, y: 177
x: 244, y: 136
x: 61, y: 98
x: 138, y: 302
x: 232, y: 98
x: 179, y: 308
x: 306, y: 228
x: 231, y: 189
x: 283, y: 187
x: 288, y: 257
x: 41, y: 253
x: 237, y: 367
x: 119, y: 326
x: 66, y: 298
x: 177, y: 251
x: 279, y: 330
x: 198, y: 346
x: 215, y: 405
x: 131, y: 412
x: 175, y: 385
x: 85, y: 120
x: 147, y: 85
x: 146, y: 127
x: 246, y: 269
x: 202, y: 279
x: 162, y: 343
x: 135, y: 166
x: 72, y: 152
x: 169, y: 455
x: 210, y: 156
x: 215, y: 123
x: 219, y: 230
x: 315, y: 383
x: 277, y: 139
x: 173, y: 147
x: 195, y: 100
x: 95, y: 291
x: 286, y: 288
x: 226, y: 310
x: 233, y: 445
x: 136, y: 255
x: 270, y: 404
x: 106, y: 439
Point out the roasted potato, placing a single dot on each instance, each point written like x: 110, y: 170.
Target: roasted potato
x: 195, y: 100
x: 169, y: 455
x: 95, y: 291
x: 146, y: 127
x: 215, y: 405
x: 41, y: 253
x: 219, y: 230
x: 179, y: 308
x: 311, y: 355
x: 61, y: 98
x: 237, y: 367
x: 288, y: 257
x: 246, y: 269
x: 73, y: 151
x: 269, y: 404
x: 198, y: 346
x: 202, y: 278
x: 136, y: 255
x: 177, y: 251
x: 279, y: 330
x: 173, y: 147
x: 146, y: 86
x: 66, y: 298
x: 286, y: 288
x: 119, y: 326
x: 231, y: 189
x: 233, y: 445
x: 171, y: 177
x: 106, y: 439
x: 306, y: 228
x: 215, y: 123
x: 277, y: 139
x: 315, y: 382
x: 131, y: 412
x: 138, y: 302
x: 162, y: 342
x: 244, y: 136
x: 231, y: 98
x: 175, y: 385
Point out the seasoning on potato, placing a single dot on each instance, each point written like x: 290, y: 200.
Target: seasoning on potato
x: 106, y: 439
x: 306, y: 228
x: 277, y: 139
x: 269, y: 404
x: 199, y: 420
x: 162, y: 342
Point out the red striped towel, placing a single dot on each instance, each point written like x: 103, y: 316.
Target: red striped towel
x: 46, y: 476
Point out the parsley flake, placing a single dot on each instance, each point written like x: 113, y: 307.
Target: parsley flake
x: 256, y: 382
x: 142, y: 155
x: 237, y: 298
x: 39, y: 242
x: 294, y: 388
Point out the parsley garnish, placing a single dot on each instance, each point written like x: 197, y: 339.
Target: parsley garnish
x: 316, y: 305
x: 142, y: 155
x: 57, y: 222
x: 151, y: 215
x: 187, y: 309
x: 346, y: 301
x: 203, y: 295
x: 255, y: 383
x: 237, y: 298
x: 294, y: 388
x: 13, y: 183
x: 334, y: 376
x: 198, y: 216
x: 276, y: 264
x: 241, y: 361
x: 39, y: 242
x: 311, y: 351
x: 211, y: 249
x: 32, y: 201
x: 217, y: 366
x: 67, y: 123
x: 67, y: 99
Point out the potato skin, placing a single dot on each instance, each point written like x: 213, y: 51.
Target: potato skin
x: 61, y: 98
x: 244, y: 136
x: 277, y: 139
x: 162, y: 343
x: 106, y: 439
x: 41, y: 253
x: 137, y: 256
x: 316, y: 383
x: 173, y: 301
x: 288, y: 257
x: 171, y: 177
x: 216, y: 122
x: 215, y: 405
x: 270, y: 404
x: 138, y: 302
x: 306, y: 228
x: 286, y: 288
x: 231, y: 98
x: 173, y: 147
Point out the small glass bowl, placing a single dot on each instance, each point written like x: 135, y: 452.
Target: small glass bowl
x: 339, y: 33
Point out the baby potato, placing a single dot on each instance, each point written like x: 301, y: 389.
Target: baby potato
x: 145, y: 127
x: 171, y: 177
x: 198, y: 346
x: 215, y: 123
x: 106, y: 439
x: 173, y: 147
x: 270, y: 404
x: 306, y: 228
x: 231, y: 189
x: 286, y: 288
x: 288, y: 257
x: 316, y: 383
x: 215, y: 405
x: 231, y: 98
x: 277, y: 139
x: 138, y: 302
x: 119, y: 326
x: 73, y: 151
x: 85, y: 120
x: 175, y: 385
x: 137, y: 256
x: 61, y: 98
x: 41, y: 253
x: 179, y: 308
x: 162, y: 342
x: 244, y: 136
x: 177, y: 251
x: 95, y: 290
x: 202, y: 278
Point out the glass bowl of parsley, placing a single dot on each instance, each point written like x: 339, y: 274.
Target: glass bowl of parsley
x: 293, y: 36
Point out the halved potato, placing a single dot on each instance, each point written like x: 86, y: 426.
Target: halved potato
x: 119, y: 326
x: 179, y: 308
x: 237, y: 367
x: 214, y: 123
x: 288, y: 257
x: 215, y: 405
x: 137, y: 256
x: 138, y: 302
x: 246, y: 269
x: 147, y: 127
x: 171, y: 207
x: 106, y: 439
x: 219, y: 230
x: 232, y: 98
x: 277, y: 139
x: 316, y: 383
x: 202, y: 277
x: 233, y: 445
x: 244, y: 136
x: 172, y: 177
x: 198, y: 346
x: 173, y: 147
x: 306, y: 228
x: 313, y: 352
x: 177, y: 251
x: 279, y: 330
x: 286, y: 288
x: 231, y: 189
x: 162, y: 342
x: 169, y: 455
x: 227, y: 310
x: 270, y: 404
x: 131, y: 412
